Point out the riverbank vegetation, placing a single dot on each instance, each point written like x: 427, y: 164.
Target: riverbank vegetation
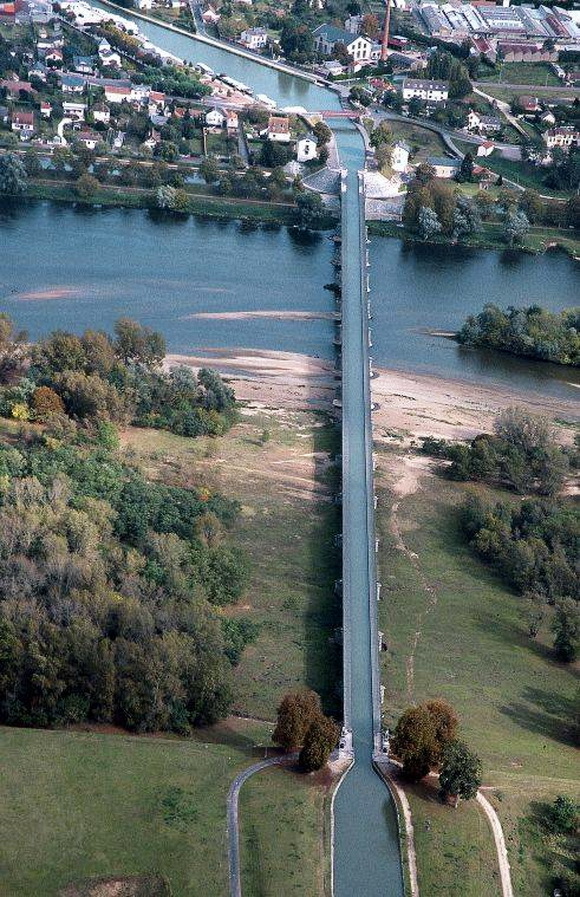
x: 450, y: 621
x: 531, y: 332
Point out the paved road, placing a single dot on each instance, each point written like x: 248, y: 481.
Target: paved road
x: 233, y: 826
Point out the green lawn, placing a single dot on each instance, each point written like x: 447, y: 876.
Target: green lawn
x: 78, y: 805
x: 456, y: 854
x: 287, y: 527
x: 422, y: 141
x: 455, y: 631
x: 538, y: 73
x: 282, y: 835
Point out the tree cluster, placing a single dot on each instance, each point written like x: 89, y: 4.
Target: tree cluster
x: 301, y: 725
x: 108, y: 590
x: 531, y: 332
x: 443, y: 66
x: 435, y: 207
x: 425, y: 740
x: 94, y: 378
x: 535, y: 547
x: 522, y: 455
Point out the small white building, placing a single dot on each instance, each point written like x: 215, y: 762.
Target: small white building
x: 485, y: 149
x: 485, y: 123
x: 232, y: 121
x: 23, y: 124
x: 254, y: 38
x: 400, y: 156
x: 215, y: 118
x: 430, y: 91
x: 102, y: 113
x: 144, y: 4
x: 306, y: 149
x: 74, y: 109
x: 45, y: 109
x: 443, y: 166
x: 278, y: 129
x: 548, y: 118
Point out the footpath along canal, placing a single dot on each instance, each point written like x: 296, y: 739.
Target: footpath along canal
x: 366, y: 855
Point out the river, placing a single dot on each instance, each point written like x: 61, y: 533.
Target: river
x: 78, y: 277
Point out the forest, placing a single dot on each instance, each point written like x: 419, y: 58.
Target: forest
x: 110, y: 584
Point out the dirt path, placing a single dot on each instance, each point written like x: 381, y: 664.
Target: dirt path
x: 498, y: 837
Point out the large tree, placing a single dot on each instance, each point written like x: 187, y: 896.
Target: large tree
x: 320, y: 739
x: 421, y: 735
x: 12, y: 175
x: 460, y: 775
x: 296, y: 713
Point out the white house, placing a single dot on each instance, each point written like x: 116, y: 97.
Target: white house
x: 326, y: 37
x: 487, y: 123
x: 278, y: 129
x: 144, y: 4
x: 74, y: 109
x: 564, y: 137
x: 89, y: 138
x: 107, y: 55
x: 306, y: 149
x: 210, y: 16
x: 116, y: 93
x: 45, y: 109
x: 215, y: 118
x: 232, y: 121
x: 443, y: 166
x: 23, y: 124
x: 486, y: 148
x: 254, y: 38
x: 101, y: 113
x: 548, y: 118
x: 400, y: 156
x: 430, y: 91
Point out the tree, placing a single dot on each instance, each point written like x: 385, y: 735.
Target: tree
x: 311, y: 210
x: 136, y: 344
x: 320, y: 739
x: 46, y: 402
x: 209, y: 170
x: 86, y: 186
x: 421, y: 735
x: 13, y: 349
x: 515, y: 228
x: 466, y: 218
x: 564, y: 815
x: 12, y: 175
x: 566, y: 629
x: 460, y: 775
x: 322, y: 133
x: 465, y: 173
x: 296, y: 713
x: 428, y: 223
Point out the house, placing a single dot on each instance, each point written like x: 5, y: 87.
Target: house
x: 353, y: 24
x: 307, y: 148
x: 254, y: 38
x: 118, y: 140
x: 210, y: 16
x: 107, y: 55
x: 564, y: 137
x: 74, y: 109
x: 14, y: 88
x: 486, y: 148
x: 529, y: 105
x: 54, y: 57
x: 38, y: 70
x: 139, y: 93
x: 326, y: 37
x: 232, y: 121
x: 72, y: 83
x: 400, y: 156
x: 102, y: 113
x: 430, y: 91
x: 84, y: 65
x: 215, y: 118
x: 23, y: 124
x: 443, y: 166
x: 548, y: 118
x: 278, y: 128
x: 477, y: 122
x: 45, y: 109
x: 156, y: 102
x: 117, y: 93
x: 332, y: 67
x: 144, y: 4
x: 89, y: 138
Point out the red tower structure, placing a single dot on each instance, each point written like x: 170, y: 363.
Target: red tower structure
x: 385, y: 40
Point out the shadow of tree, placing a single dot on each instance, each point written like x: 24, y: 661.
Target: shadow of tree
x: 545, y: 713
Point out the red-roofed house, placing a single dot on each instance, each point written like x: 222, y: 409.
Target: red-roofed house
x: 13, y: 88
x: 116, y: 94
x: 23, y: 124
x: 278, y: 129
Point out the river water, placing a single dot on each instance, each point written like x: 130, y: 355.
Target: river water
x: 90, y: 267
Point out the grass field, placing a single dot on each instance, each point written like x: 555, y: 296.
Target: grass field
x: 78, y: 805
x: 282, y: 834
x: 455, y: 850
x: 455, y: 631
x: 538, y: 73
x: 423, y: 142
x: 286, y: 527
x: 508, y: 91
